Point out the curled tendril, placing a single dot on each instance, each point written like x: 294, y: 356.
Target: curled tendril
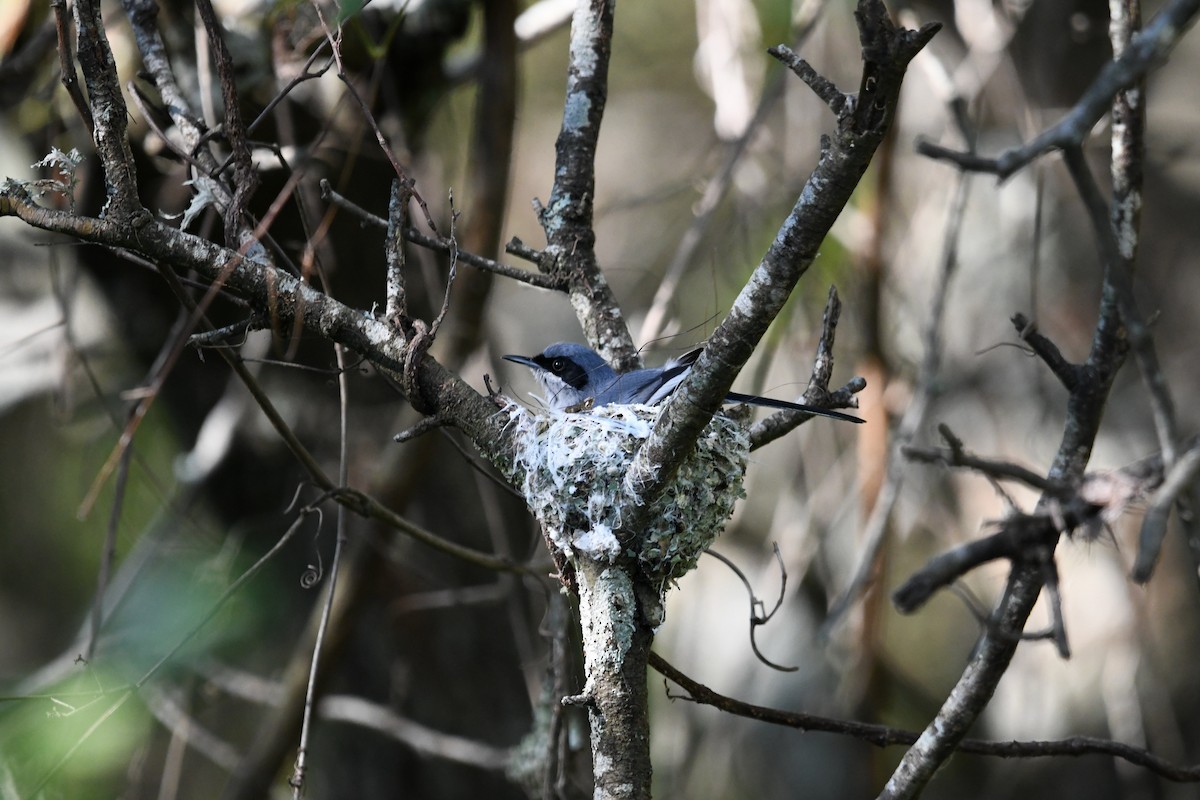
x: 310, y: 577
x: 758, y: 613
x: 312, y: 574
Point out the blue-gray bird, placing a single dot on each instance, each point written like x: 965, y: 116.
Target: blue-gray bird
x: 571, y: 374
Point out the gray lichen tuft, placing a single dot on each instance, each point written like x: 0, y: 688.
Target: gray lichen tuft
x: 572, y: 469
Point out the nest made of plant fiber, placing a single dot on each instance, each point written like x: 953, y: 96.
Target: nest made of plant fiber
x: 572, y: 468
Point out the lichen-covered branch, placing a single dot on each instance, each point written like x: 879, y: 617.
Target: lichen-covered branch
x: 887, y: 50
x: 280, y: 296
x: 567, y: 217
x: 616, y: 647
x: 109, y: 114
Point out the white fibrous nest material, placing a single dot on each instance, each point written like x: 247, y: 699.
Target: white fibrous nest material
x: 573, y: 468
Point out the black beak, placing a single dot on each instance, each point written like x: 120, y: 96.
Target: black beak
x: 529, y: 362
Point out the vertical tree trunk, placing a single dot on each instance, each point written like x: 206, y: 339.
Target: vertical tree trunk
x: 616, y: 646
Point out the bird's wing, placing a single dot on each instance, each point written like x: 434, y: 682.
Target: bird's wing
x: 685, y: 360
x: 665, y: 381
x: 649, y: 386
x: 646, y: 386
x: 672, y: 374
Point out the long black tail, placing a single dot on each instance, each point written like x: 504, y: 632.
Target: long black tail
x: 755, y: 400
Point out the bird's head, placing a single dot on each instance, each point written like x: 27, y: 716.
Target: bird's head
x: 568, y: 372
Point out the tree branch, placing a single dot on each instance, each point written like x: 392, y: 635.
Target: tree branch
x: 1085, y: 408
x: 109, y: 115
x: 1147, y: 50
x: 66, y: 63
x: 783, y: 422
x: 280, y: 295
x: 567, y: 219
x: 887, y: 51
x: 886, y: 736
x: 442, y: 245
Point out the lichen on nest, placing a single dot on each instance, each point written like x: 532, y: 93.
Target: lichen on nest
x: 571, y: 468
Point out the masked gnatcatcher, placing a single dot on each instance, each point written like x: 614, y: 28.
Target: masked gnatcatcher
x: 571, y: 374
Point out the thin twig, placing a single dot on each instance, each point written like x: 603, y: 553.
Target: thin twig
x: 282, y: 94
x: 877, y: 524
x: 66, y: 64
x: 716, y: 187
x: 109, y: 553
x: 887, y: 51
x: 245, y: 178
x: 1119, y: 272
x: 1047, y: 350
x: 758, y: 615
x: 168, y: 709
x: 817, y: 393
x: 297, y: 779
x: 1029, y: 538
x: 442, y: 245
x: 957, y: 457
x: 424, y: 740
x: 125, y: 692
x: 191, y: 131
x: 1179, y: 480
x: 1146, y: 51
x: 518, y: 248
x: 886, y: 736
x: 451, y: 273
x: 334, y: 40
x: 839, y: 103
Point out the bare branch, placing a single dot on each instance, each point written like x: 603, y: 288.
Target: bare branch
x: 1178, y: 481
x: 886, y: 736
x: 442, y: 245
x: 1145, y: 52
x: 570, y: 253
x: 297, y: 779
x: 271, y: 291
x: 1085, y: 407
x: 783, y: 422
x: 109, y: 114
x: 245, y: 176
x: 167, y: 707
x: 335, y: 45
x: 1044, y: 348
x: 1098, y: 499
x: 933, y: 345
x: 887, y: 51
x: 422, y: 739
x: 956, y: 456
x: 1119, y: 275
x: 716, y: 187
x: 489, y: 180
x: 191, y: 130
x: 839, y: 103
x: 66, y: 63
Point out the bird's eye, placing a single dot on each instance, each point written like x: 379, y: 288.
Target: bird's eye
x: 558, y: 365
